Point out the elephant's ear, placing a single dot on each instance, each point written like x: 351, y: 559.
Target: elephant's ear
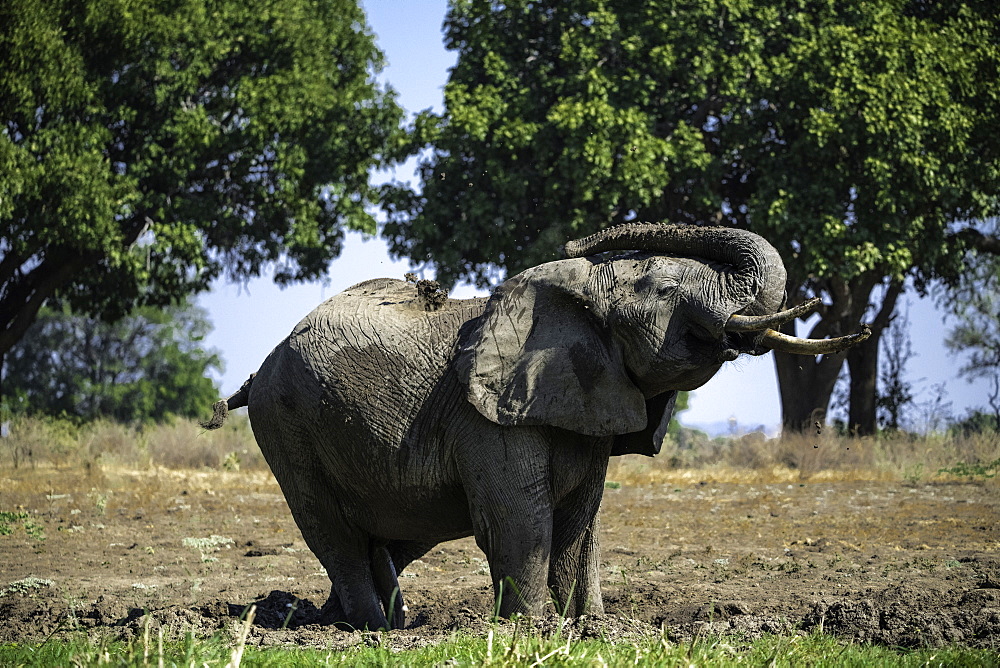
x: 647, y: 442
x: 540, y: 355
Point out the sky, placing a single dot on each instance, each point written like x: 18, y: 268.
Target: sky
x: 251, y: 319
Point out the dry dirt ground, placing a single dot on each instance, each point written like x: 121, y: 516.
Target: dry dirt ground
x: 911, y: 564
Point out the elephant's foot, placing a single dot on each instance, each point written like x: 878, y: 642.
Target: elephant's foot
x: 518, y: 597
x: 333, y: 613
x: 365, y: 594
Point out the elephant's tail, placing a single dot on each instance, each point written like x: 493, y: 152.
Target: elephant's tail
x: 221, y: 408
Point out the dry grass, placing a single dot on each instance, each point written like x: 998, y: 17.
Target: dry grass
x: 181, y: 444
x: 801, y: 457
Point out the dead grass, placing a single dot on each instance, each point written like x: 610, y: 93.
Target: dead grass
x: 805, y: 457
x: 184, y: 446
x: 181, y: 444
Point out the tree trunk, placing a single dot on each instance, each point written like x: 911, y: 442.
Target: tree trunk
x: 862, y: 360
x: 806, y: 383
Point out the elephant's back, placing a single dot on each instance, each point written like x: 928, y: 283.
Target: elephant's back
x: 372, y: 358
x: 386, y: 315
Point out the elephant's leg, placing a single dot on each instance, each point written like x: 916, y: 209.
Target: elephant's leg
x: 510, y: 502
x: 343, y: 550
x: 574, y: 570
x: 360, y: 577
x: 354, y: 601
x: 387, y: 586
x: 574, y: 576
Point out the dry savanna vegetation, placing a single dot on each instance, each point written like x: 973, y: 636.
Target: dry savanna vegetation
x: 173, y: 532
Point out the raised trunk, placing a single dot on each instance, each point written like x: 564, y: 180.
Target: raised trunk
x: 758, y: 270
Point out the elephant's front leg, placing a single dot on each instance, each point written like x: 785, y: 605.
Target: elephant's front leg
x: 574, y: 576
x: 510, y: 501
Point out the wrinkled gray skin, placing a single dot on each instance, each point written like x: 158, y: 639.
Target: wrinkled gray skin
x: 391, y: 428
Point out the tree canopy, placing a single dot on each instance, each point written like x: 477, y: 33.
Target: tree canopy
x: 148, y: 146
x: 144, y: 367
x: 859, y: 138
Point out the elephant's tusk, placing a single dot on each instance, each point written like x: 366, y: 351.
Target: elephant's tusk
x: 755, y: 323
x: 793, y: 344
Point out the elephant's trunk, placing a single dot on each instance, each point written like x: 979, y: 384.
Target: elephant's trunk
x: 759, y: 274
x: 759, y: 271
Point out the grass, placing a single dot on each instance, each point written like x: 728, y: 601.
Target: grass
x: 496, y: 649
x: 180, y: 444
x: 183, y: 445
x: 809, y: 457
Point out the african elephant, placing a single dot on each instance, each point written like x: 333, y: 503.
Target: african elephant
x: 395, y: 419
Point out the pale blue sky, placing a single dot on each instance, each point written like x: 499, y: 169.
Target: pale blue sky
x: 250, y: 320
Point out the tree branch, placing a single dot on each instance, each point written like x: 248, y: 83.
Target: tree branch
x: 52, y: 273
x: 984, y: 243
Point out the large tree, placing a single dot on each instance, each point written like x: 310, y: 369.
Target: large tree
x: 144, y: 367
x: 149, y: 146
x: 859, y: 138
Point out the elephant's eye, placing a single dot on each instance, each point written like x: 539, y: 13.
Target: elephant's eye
x: 667, y: 285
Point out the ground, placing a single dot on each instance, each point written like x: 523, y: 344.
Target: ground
x: 904, y: 563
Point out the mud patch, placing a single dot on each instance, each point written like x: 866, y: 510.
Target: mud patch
x: 868, y: 561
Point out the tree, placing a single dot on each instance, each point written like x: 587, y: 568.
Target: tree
x: 148, y: 147
x: 895, y: 393
x: 975, y: 310
x: 857, y: 137
x: 144, y: 367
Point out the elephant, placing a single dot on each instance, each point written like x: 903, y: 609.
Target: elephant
x: 395, y: 418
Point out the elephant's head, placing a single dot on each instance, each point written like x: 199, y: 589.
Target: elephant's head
x: 600, y: 344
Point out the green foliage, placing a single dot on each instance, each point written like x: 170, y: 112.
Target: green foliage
x: 850, y: 135
x: 148, y: 147
x: 976, y: 422
x: 974, y: 470
x: 9, y: 521
x: 7, y: 518
x: 144, y: 367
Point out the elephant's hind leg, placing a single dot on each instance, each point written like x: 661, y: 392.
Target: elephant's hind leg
x: 344, y: 550
x: 362, y: 587
x: 387, y: 585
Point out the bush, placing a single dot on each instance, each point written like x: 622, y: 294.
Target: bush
x: 31, y: 441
